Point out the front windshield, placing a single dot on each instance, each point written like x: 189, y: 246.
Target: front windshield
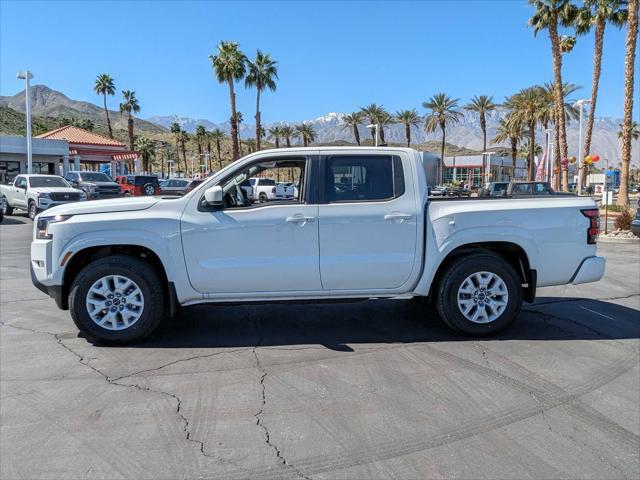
x: 94, y: 177
x: 40, y: 182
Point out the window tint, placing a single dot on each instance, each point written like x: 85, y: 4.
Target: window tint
x: 52, y: 181
x: 21, y: 182
x: 267, y: 182
x: 541, y: 188
x: 363, y: 178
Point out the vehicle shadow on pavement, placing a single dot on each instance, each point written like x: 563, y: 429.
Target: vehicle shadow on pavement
x: 17, y: 220
x: 336, y: 326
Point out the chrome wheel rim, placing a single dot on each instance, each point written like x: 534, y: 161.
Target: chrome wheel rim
x: 115, y: 302
x: 483, y: 297
x: 149, y: 190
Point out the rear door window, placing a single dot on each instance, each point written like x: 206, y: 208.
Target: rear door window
x: 362, y: 178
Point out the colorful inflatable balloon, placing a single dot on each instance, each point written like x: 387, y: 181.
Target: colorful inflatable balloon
x: 588, y: 160
x: 564, y: 162
x: 595, y: 158
x: 572, y: 160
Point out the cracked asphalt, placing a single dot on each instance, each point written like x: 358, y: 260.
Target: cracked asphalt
x: 363, y: 390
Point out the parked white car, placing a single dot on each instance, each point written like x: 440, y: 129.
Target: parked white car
x: 285, y: 190
x: 34, y: 193
x: 364, y: 228
x: 264, y: 189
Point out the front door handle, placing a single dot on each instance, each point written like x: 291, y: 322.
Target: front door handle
x: 300, y: 219
x: 397, y: 216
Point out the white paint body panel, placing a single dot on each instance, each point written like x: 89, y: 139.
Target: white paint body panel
x: 348, y: 251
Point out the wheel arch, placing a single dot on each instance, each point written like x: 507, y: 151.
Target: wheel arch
x: 514, y: 254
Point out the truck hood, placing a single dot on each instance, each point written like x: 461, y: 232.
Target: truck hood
x: 54, y: 190
x: 103, y: 206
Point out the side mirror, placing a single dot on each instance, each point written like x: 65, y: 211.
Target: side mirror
x: 213, y: 195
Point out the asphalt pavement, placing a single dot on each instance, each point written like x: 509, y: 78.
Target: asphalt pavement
x: 377, y: 389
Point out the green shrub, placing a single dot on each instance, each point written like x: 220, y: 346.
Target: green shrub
x: 623, y: 221
x: 615, y: 208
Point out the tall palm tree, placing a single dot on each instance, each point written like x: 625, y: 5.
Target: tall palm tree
x: 385, y: 119
x: 482, y: 105
x: 208, y: 139
x: 352, y: 121
x: 528, y: 107
x: 177, y: 131
x: 408, y: 118
x: 306, y: 132
x: 275, y: 133
x: 627, y: 119
x: 287, y: 133
x: 635, y: 132
x: 373, y: 113
x: 183, y: 138
x: 567, y: 43
x: 263, y: 72
x: 549, y: 15
x: 444, y: 111
x: 217, y: 136
x: 201, y: 134
x: 229, y: 66
x: 509, y: 130
x: 130, y: 105
x: 596, y: 14
x: 147, y: 149
x: 239, y: 120
x: 105, y: 86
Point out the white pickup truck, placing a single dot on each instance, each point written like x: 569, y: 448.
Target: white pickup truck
x: 34, y: 193
x: 362, y: 228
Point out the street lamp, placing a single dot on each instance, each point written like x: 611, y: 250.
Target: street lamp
x: 580, y: 103
x: 487, y: 171
x: 26, y: 75
x: 376, y: 126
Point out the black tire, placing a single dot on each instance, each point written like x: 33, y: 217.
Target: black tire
x: 153, y: 312
x: 453, y: 278
x: 148, y: 189
x: 32, y: 209
x: 6, y: 208
x: 263, y: 198
x: 127, y: 193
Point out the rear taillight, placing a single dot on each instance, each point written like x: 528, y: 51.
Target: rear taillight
x: 593, y: 214
x: 273, y: 190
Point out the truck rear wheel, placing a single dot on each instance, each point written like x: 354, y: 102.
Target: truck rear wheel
x: 33, y: 209
x: 116, y: 300
x: 479, y: 294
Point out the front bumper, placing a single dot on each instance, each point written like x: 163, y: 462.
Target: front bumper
x: 54, y: 291
x: 46, y: 203
x: 590, y: 270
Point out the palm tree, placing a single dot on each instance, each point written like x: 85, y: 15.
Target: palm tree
x: 444, y: 111
x: 635, y: 132
x: 408, y: 118
x: 482, y: 105
x: 549, y: 15
x: 372, y: 113
x: 567, y: 43
x: 627, y: 120
x: 287, y: 133
x: 511, y: 130
x: 201, y: 134
x: 229, y: 66
x: 105, y: 86
x: 263, y: 73
x: 217, y: 136
x: 384, y: 120
x: 208, y: 138
x: 147, y: 149
x: 130, y: 105
x: 276, y: 133
x: 183, y: 138
x: 176, y: 130
x: 527, y: 109
x: 307, y: 133
x: 352, y: 121
x: 596, y: 14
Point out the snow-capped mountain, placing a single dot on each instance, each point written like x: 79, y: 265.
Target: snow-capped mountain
x: 467, y: 133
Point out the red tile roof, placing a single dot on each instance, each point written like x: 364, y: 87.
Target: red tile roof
x: 78, y: 135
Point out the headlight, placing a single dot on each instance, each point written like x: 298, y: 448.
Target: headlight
x: 44, y: 195
x: 42, y: 227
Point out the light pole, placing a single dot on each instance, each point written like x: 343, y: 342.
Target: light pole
x: 580, y: 103
x: 376, y: 126
x: 487, y: 171
x: 26, y: 75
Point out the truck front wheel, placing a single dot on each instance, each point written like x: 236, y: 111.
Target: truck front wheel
x: 33, y: 209
x: 6, y: 208
x: 116, y: 300
x: 479, y: 294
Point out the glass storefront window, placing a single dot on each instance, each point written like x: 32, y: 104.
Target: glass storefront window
x: 9, y: 171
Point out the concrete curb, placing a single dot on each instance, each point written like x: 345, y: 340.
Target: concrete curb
x: 632, y: 241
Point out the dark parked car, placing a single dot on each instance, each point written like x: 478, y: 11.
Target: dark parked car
x: 635, y: 223
x: 95, y: 184
x: 138, y: 185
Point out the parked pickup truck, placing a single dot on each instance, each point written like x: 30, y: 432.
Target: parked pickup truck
x: 362, y: 228
x: 96, y: 185
x: 34, y: 193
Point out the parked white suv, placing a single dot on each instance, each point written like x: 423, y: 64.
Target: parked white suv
x: 35, y: 193
x: 363, y: 227
x: 264, y: 189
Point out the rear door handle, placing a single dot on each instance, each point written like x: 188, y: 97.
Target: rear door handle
x: 300, y: 219
x: 397, y: 216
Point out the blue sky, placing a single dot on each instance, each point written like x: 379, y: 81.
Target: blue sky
x: 333, y: 56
